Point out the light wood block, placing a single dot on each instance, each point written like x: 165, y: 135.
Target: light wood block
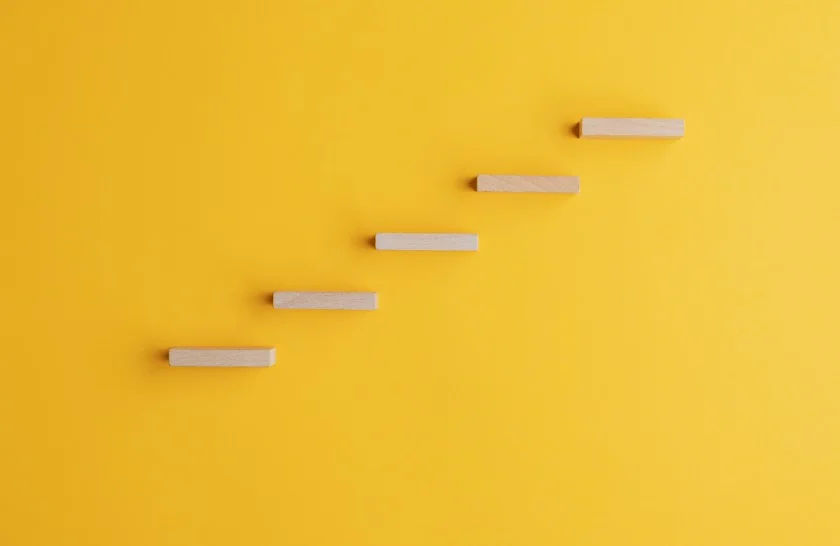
x: 631, y: 128
x: 467, y: 242
x: 348, y: 301
x: 528, y: 184
x: 222, y: 357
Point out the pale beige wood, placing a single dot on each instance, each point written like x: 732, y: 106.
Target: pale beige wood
x: 222, y: 357
x: 528, y: 184
x: 348, y: 301
x: 631, y: 128
x: 427, y: 241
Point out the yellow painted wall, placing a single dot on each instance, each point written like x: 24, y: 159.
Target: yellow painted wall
x: 653, y: 362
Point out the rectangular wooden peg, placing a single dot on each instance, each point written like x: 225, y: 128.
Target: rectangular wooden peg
x: 348, y: 301
x: 527, y: 184
x: 222, y: 357
x: 631, y: 128
x: 466, y: 242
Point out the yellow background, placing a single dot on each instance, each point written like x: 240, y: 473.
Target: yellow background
x: 652, y: 362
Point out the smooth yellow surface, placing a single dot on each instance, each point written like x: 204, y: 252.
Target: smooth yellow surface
x: 655, y: 361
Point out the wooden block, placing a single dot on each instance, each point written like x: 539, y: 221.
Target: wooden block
x: 528, y: 184
x: 349, y: 301
x: 222, y: 357
x: 631, y: 128
x: 427, y: 241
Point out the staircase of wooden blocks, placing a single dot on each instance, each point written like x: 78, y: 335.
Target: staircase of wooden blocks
x: 588, y: 128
